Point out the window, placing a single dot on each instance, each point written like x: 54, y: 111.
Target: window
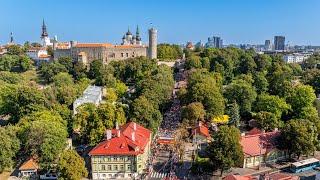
x: 109, y: 158
x: 121, y: 167
x: 110, y: 175
x: 115, y: 167
x: 121, y: 158
x: 109, y: 168
x: 139, y: 165
x: 127, y: 54
x: 103, y: 167
x: 104, y: 175
x: 129, y: 167
x: 121, y: 54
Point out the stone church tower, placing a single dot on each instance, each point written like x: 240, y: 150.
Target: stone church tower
x: 152, y: 50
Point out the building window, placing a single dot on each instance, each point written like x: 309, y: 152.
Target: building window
x: 103, y: 175
x: 109, y: 168
x: 121, y: 54
x: 115, y: 167
x: 129, y: 167
x: 127, y: 54
x: 121, y: 158
x: 103, y: 167
x: 139, y: 165
x: 121, y: 167
x: 110, y: 175
x: 108, y: 158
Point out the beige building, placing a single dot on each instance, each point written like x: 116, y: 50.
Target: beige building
x: 123, y: 154
x: 261, y: 147
x: 87, y: 52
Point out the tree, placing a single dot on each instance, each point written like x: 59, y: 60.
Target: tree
x: 46, y: 139
x: 67, y: 63
x: 225, y: 150
x: 8, y: 62
x: 233, y: 111
x: 204, y: 87
x: 25, y: 63
x: 247, y: 64
x: 144, y: 113
x: 65, y: 88
x: 19, y: 101
x: 96, y: 67
x: 169, y: 52
x: 260, y: 82
x: 48, y: 70
x: 193, y: 113
x: 312, y: 77
x: 71, y: 166
x: 271, y: 103
x: 243, y: 93
x: 15, y: 50
x: 10, y: 145
x: 79, y: 70
x: 299, y: 137
x: 301, y: 97
x: 267, y: 120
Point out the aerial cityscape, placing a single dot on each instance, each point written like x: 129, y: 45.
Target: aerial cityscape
x: 160, y: 90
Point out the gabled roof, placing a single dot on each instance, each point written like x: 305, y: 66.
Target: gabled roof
x: 258, y: 144
x: 254, y: 131
x: 125, y: 144
x: 282, y: 176
x: 201, y: 129
x: 30, y: 164
x: 238, y: 177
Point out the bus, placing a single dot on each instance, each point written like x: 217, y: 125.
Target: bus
x: 304, y: 165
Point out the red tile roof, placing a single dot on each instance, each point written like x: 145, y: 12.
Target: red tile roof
x: 30, y: 164
x: 202, y: 129
x: 238, y: 177
x: 254, y: 131
x: 282, y: 176
x: 258, y: 144
x: 124, y: 144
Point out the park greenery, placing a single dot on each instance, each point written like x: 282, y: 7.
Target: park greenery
x: 227, y: 86
x: 248, y: 86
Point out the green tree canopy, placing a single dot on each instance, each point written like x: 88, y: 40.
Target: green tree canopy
x: 10, y: 145
x: 225, y: 150
x: 271, y: 103
x: 193, y: 113
x: 267, y: 120
x: 71, y: 166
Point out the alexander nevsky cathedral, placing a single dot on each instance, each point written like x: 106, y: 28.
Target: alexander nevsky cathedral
x: 131, y: 46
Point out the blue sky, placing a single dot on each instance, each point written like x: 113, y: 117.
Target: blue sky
x: 177, y: 21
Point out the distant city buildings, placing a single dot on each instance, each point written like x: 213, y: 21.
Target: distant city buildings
x: 93, y: 94
x: 279, y: 43
x: 190, y: 46
x: 214, y: 42
x: 296, y: 57
x: 267, y: 45
x: 45, y: 39
x: 129, y: 39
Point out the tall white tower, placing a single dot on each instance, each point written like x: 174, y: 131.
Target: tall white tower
x: 152, y: 43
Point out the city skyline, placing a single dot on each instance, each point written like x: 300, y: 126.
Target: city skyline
x: 245, y: 22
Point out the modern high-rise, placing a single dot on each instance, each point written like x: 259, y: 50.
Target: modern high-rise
x: 279, y: 43
x: 215, y: 42
x: 267, y: 45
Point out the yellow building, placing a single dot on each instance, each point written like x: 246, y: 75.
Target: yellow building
x: 261, y: 147
x: 123, y: 154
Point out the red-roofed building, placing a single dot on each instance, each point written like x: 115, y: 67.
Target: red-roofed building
x: 238, y: 177
x: 261, y: 147
x: 281, y: 176
x: 201, y: 135
x: 29, y: 168
x: 123, y: 154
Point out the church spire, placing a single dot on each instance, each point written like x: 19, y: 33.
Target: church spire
x: 11, y: 38
x: 137, y: 31
x: 44, y: 30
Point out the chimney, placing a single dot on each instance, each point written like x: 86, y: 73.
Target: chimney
x: 118, y: 133
x: 117, y: 125
x: 276, y: 129
x: 134, y: 126
x: 109, y: 135
x: 133, y: 136
x: 243, y: 134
